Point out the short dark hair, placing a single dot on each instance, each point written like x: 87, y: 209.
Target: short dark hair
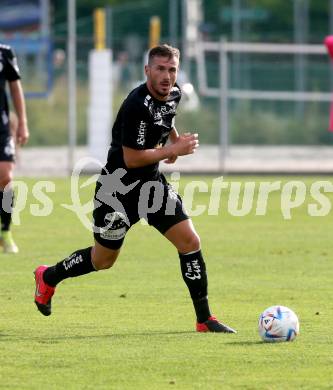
x: 163, y: 51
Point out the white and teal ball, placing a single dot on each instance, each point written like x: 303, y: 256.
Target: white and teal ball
x: 278, y: 323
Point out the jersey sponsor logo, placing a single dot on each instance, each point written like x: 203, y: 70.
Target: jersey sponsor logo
x: 115, y: 226
x: 142, y: 133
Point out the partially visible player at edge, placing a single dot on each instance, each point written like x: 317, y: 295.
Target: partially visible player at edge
x: 144, y: 123
x: 11, y: 130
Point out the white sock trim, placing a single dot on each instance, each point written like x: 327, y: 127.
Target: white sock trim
x: 191, y: 253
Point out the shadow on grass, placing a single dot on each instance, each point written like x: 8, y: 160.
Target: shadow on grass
x: 245, y: 342
x: 117, y: 335
x: 54, y: 339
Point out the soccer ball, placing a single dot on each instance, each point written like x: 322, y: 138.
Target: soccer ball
x: 278, y: 323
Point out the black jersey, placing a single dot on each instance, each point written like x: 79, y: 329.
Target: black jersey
x: 143, y: 122
x: 9, y: 71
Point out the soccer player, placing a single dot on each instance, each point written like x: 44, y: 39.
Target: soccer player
x: 143, y: 125
x: 17, y: 128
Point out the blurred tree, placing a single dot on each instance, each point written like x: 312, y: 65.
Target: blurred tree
x: 83, y: 8
x: 276, y: 26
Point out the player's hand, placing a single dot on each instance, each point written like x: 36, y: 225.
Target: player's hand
x: 171, y: 160
x: 186, y: 144
x: 22, y: 134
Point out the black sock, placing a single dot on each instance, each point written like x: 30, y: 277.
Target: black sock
x: 202, y: 310
x: 194, y: 274
x: 6, y: 208
x: 78, y: 263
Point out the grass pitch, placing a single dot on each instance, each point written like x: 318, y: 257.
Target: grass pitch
x: 132, y: 327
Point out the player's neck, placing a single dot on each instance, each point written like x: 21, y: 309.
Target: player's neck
x: 156, y: 95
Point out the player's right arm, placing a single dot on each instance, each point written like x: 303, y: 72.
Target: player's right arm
x: 22, y: 132
x: 12, y: 74
x: 135, y: 119
x: 184, y: 145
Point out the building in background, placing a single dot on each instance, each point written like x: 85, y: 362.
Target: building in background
x: 25, y: 25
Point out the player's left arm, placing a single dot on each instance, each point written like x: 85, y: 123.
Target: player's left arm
x: 16, y: 91
x: 173, y: 137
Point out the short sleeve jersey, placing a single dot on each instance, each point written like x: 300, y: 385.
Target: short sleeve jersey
x: 143, y: 122
x: 9, y: 71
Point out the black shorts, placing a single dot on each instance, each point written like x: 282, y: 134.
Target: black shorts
x: 7, y: 148
x: 116, y: 208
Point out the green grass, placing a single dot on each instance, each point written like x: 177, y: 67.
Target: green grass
x: 132, y: 327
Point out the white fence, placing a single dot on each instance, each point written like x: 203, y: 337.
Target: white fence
x: 224, y: 93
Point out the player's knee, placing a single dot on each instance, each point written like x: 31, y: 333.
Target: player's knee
x: 190, y: 243
x: 104, y: 260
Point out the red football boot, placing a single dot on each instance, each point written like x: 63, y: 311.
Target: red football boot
x: 44, y: 292
x: 213, y: 325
